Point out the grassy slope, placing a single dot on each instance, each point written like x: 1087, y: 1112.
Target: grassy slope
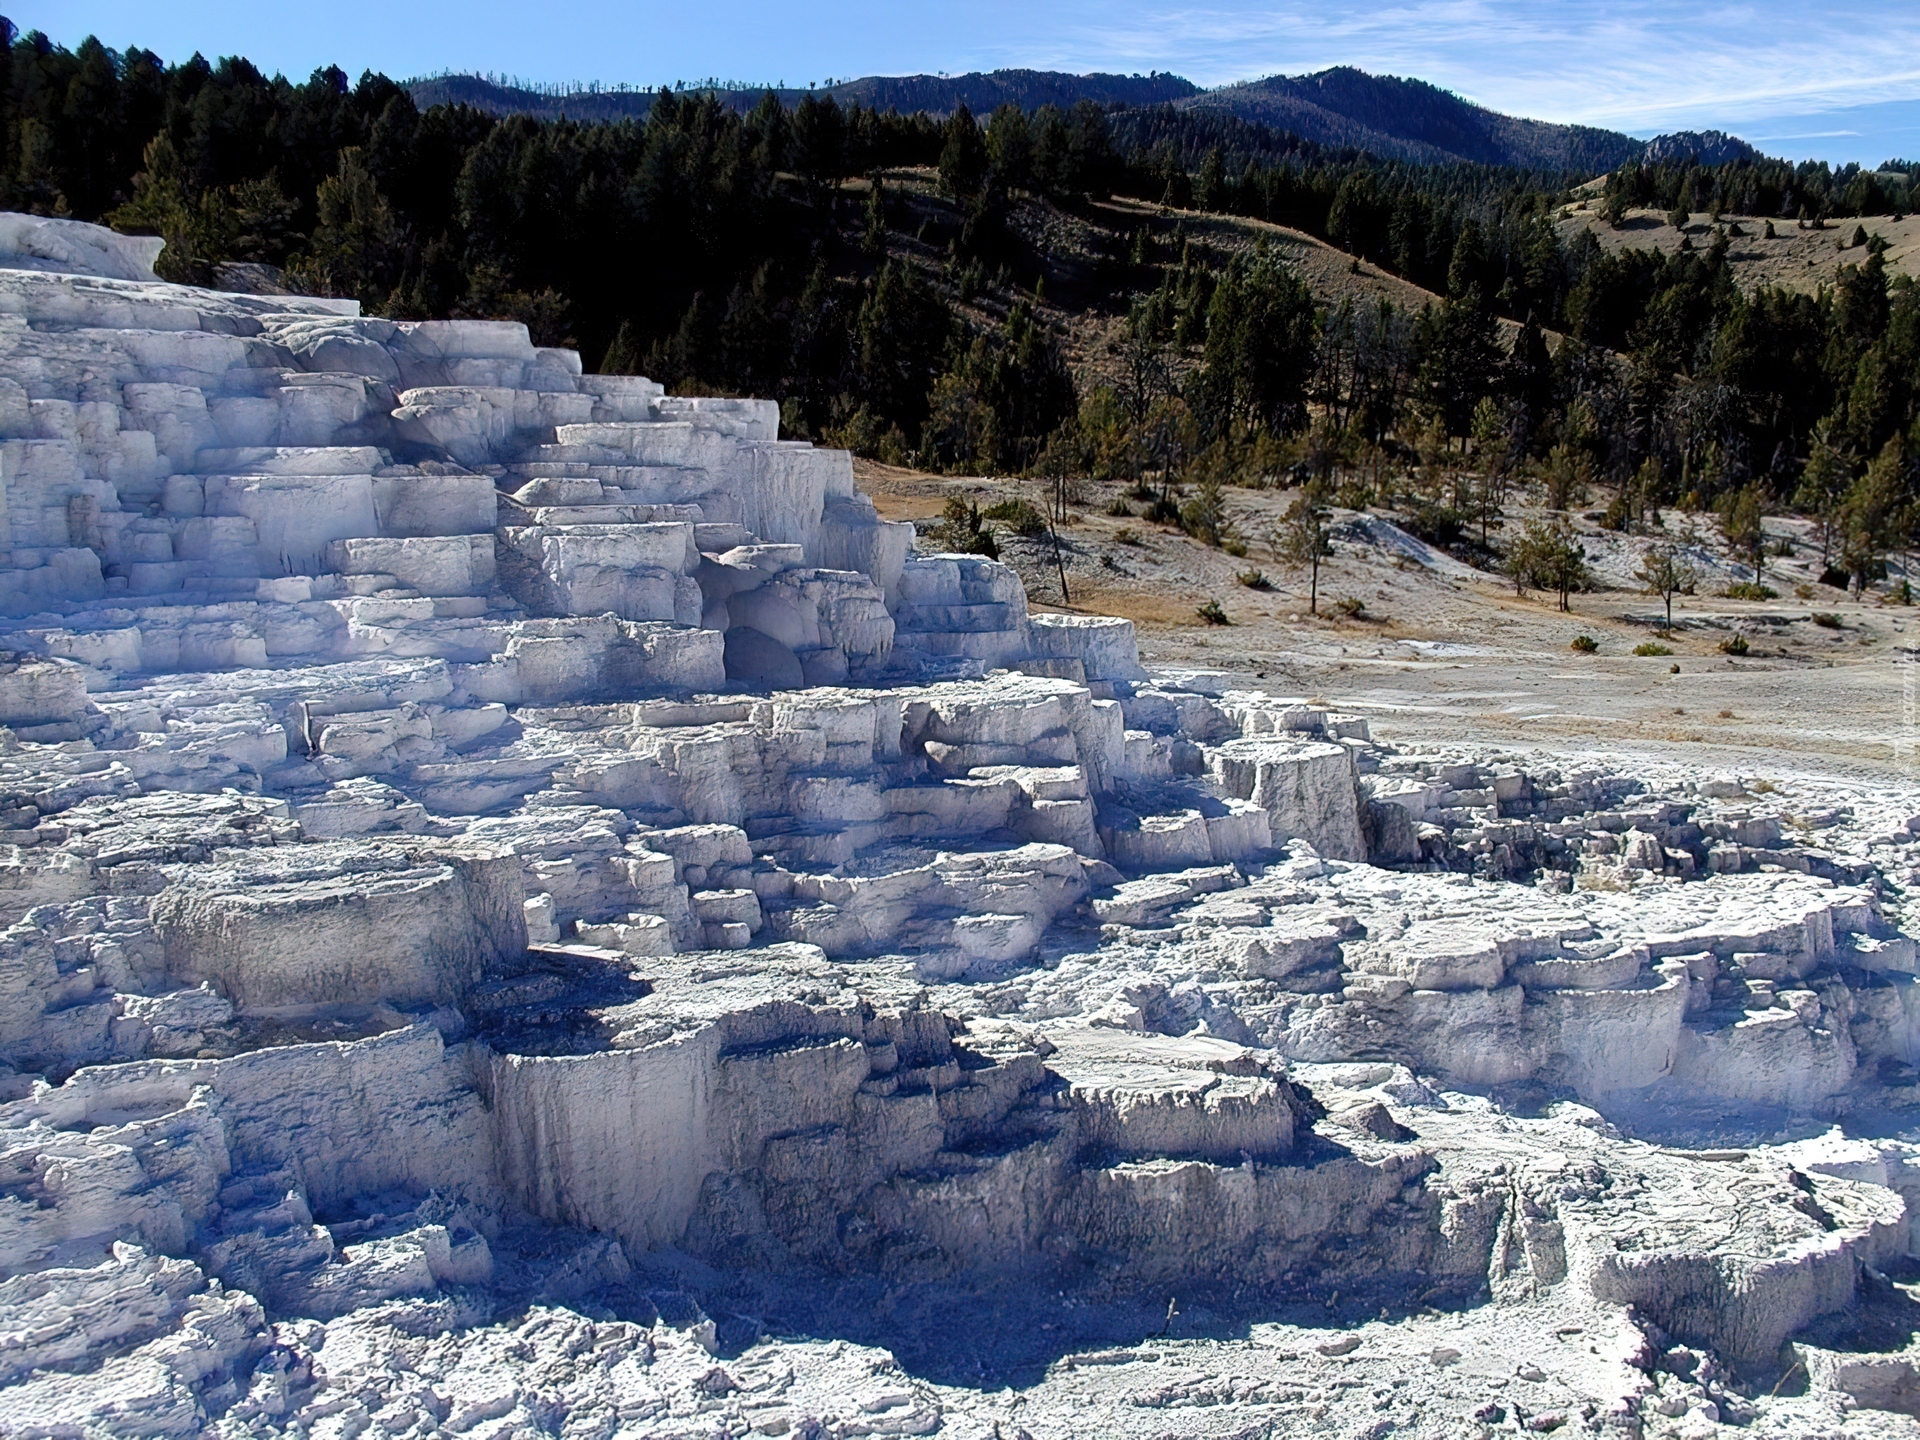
x: 1796, y: 259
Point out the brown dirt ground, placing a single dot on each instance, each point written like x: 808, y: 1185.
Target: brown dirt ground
x: 1795, y: 259
x: 1441, y: 652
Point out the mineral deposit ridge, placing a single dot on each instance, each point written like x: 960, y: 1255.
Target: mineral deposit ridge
x: 497, y: 860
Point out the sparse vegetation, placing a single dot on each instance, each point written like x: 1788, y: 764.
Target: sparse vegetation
x: 1126, y: 535
x: 1213, y: 614
x: 1826, y: 620
x: 961, y: 530
x: 1652, y: 647
x: 1548, y: 557
x: 1734, y: 645
x: 1750, y: 590
x: 1668, y: 570
x: 1254, y: 579
x: 1302, y: 538
x: 1351, y: 606
x: 1118, y: 506
x: 1019, y: 515
x: 1585, y: 644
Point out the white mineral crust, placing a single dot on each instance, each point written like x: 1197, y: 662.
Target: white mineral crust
x: 530, y: 910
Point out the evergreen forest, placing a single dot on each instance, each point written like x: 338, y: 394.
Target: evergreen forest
x: 1032, y: 291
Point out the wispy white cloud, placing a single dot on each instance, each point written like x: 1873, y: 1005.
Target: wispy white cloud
x: 1636, y: 65
x: 1633, y: 65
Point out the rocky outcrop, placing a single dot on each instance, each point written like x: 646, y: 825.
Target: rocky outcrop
x: 487, y: 846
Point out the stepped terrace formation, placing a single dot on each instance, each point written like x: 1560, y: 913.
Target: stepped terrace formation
x: 531, y: 910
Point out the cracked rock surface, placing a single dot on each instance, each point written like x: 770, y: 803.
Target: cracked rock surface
x: 527, y: 910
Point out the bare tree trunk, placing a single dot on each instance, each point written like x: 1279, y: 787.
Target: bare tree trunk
x: 1060, y: 564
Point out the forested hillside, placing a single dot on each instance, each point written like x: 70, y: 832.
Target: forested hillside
x: 937, y: 95
x: 1412, y: 120
x: 1344, y: 108
x: 936, y: 291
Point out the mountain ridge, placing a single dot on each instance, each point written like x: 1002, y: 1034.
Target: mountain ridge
x: 1392, y: 117
x: 1407, y: 119
x: 979, y: 91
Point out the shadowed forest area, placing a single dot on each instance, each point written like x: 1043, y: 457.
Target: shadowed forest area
x: 1035, y: 292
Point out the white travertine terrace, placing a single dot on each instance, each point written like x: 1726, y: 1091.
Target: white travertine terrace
x: 480, y: 836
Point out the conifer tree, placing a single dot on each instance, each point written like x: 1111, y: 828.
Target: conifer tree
x: 963, y: 157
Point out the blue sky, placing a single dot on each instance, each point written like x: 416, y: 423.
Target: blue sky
x: 1837, y: 81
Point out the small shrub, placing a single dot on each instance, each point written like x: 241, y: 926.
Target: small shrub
x: 1673, y: 669
x: 1734, y: 645
x: 1651, y: 647
x: 1726, y: 714
x: 1803, y: 592
x: 960, y: 530
x: 1254, y: 579
x: 1352, y: 606
x: 1763, y: 787
x: 1019, y: 515
x: 1118, y: 506
x: 1439, y: 525
x: 1235, y: 548
x: 1164, y: 512
x: 1126, y: 535
x: 1109, y: 562
x: 1751, y: 590
x: 1826, y: 620
x: 1213, y: 614
x: 1585, y: 644
x: 1353, y: 495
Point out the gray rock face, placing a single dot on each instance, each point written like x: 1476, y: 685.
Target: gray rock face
x: 486, y: 850
x: 754, y: 658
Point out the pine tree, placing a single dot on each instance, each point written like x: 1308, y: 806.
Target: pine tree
x: 1823, y: 484
x: 1210, y: 185
x: 873, y: 236
x: 963, y: 158
x: 1261, y: 337
x: 819, y: 141
x: 1010, y: 148
x: 1877, y: 514
x: 1303, y: 537
x: 622, y: 357
x: 1741, y: 512
x: 1549, y: 557
x: 356, y: 248
x: 902, y: 332
x: 1668, y: 570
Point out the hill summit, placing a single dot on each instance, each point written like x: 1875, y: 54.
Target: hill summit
x: 1392, y: 117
